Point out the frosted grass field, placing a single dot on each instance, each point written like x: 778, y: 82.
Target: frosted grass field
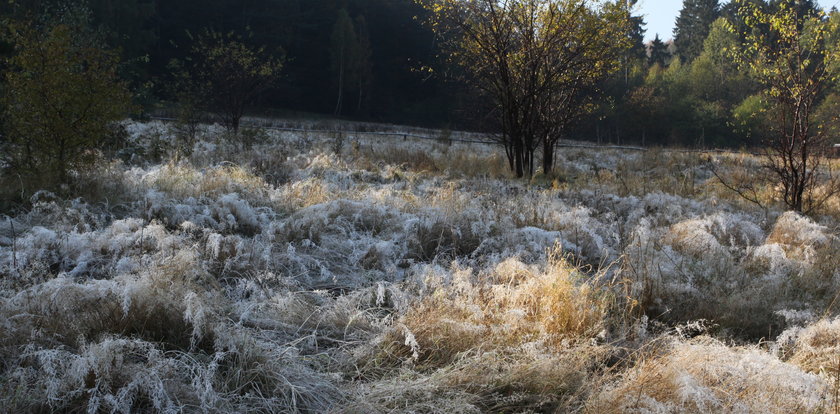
x: 315, y: 274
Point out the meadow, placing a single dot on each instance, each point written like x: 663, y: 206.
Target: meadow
x: 360, y: 273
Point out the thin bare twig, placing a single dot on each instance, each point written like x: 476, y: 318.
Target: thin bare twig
x: 747, y: 192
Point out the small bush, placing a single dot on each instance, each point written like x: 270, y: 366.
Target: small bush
x: 63, y: 92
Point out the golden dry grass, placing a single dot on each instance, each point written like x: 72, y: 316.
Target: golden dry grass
x: 184, y: 180
x: 817, y: 350
x: 513, y: 305
x: 518, y: 339
x: 704, y: 375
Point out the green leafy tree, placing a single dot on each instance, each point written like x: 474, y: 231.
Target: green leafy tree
x: 611, y: 114
x: 717, y: 84
x: 793, y: 59
x: 227, y: 74
x: 188, y: 108
x: 682, y: 119
x: 536, y: 59
x: 692, y: 26
x: 62, y: 93
x: 827, y: 117
x: 750, y: 119
x: 802, y: 8
x: 645, y: 107
x: 729, y: 83
x: 833, y: 44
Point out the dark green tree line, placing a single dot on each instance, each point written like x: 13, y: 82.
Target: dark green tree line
x: 699, y: 97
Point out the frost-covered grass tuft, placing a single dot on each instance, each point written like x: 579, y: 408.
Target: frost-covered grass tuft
x: 816, y: 349
x: 704, y: 375
x: 507, y: 306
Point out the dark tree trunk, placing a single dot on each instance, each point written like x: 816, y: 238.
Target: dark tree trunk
x: 520, y: 158
x: 548, y: 155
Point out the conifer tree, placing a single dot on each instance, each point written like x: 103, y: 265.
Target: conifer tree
x: 658, y: 52
x: 693, y: 23
x: 637, y: 33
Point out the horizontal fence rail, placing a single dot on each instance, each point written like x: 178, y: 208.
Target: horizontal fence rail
x: 497, y: 141
x: 343, y: 131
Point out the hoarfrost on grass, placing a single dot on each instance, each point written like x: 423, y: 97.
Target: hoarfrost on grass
x: 408, y: 276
